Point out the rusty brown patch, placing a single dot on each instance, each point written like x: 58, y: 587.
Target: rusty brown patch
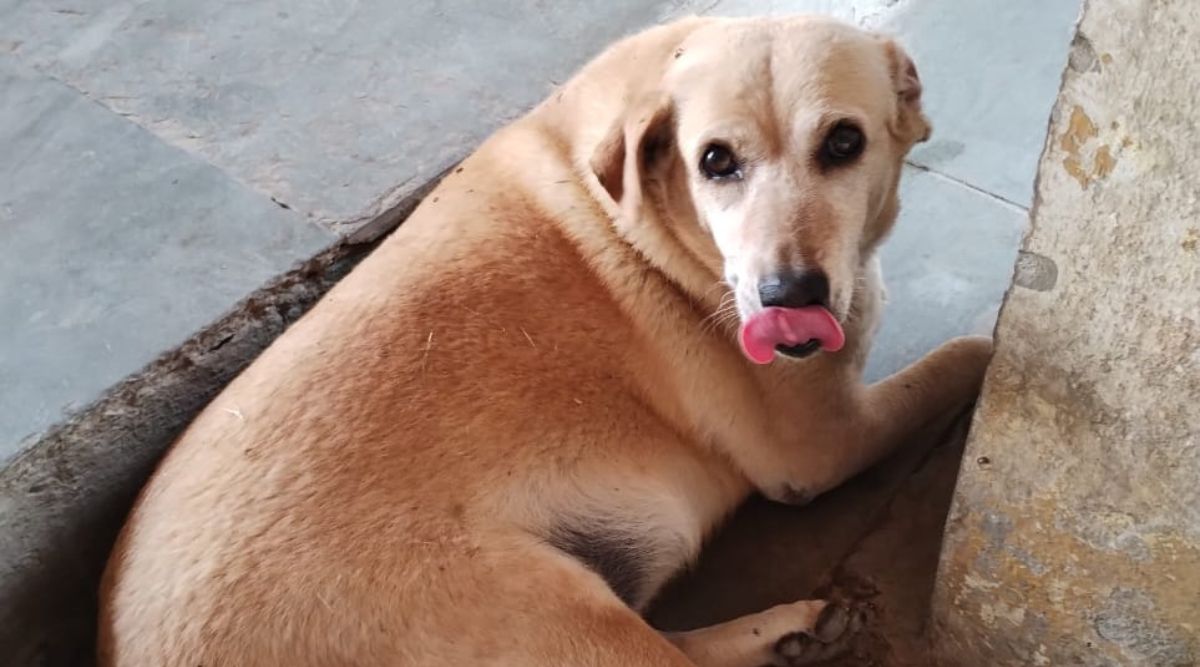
x: 1191, y: 240
x: 1081, y: 129
x: 1076, y: 171
x: 1103, y: 163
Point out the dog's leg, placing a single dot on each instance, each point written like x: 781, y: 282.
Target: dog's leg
x: 941, y: 382
x: 791, y: 634
x: 870, y: 423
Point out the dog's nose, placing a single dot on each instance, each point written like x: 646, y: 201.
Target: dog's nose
x: 790, y: 289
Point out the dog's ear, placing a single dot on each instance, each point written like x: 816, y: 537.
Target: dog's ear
x: 910, y: 125
x: 636, y: 144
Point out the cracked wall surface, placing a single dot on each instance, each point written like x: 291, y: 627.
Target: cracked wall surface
x: 1074, y: 536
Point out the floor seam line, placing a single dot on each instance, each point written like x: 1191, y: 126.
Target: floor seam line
x: 133, y: 119
x: 969, y: 186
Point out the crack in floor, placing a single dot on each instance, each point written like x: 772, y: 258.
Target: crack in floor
x: 968, y: 185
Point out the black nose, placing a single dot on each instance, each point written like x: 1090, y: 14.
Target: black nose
x: 789, y: 289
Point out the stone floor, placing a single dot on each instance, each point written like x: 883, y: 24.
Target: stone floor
x: 163, y: 159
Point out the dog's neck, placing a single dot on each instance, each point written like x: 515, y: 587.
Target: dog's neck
x: 669, y: 241
x: 674, y: 244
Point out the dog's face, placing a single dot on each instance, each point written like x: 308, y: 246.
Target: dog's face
x: 773, y: 149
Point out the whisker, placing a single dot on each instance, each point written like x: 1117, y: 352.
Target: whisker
x: 726, y: 315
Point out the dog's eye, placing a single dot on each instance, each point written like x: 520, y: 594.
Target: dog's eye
x: 843, y: 143
x: 719, y: 162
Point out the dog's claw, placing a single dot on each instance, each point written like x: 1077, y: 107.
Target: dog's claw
x: 829, y: 637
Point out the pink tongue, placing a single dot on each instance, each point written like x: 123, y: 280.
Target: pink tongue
x: 789, y: 327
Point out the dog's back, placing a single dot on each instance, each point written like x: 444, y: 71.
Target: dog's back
x: 368, y: 488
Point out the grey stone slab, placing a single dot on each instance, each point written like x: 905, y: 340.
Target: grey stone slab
x: 337, y: 108
x: 113, y: 248
x: 946, y: 265
x: 991, y: 70
x: 63, y: 499
x: 862, y: 12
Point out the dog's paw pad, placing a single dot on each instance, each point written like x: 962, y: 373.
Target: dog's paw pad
x: 829, y: 637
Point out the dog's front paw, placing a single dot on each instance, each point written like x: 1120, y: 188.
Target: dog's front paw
x: 830, y: 636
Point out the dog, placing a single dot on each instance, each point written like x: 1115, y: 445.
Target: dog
x: 503, y: 432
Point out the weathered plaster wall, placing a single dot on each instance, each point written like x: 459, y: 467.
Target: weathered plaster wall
x: 1075, y: 533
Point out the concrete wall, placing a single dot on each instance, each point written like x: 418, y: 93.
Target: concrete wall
x: 1074, y: 536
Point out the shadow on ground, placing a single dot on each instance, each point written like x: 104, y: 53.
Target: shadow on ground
x: 874, y: 541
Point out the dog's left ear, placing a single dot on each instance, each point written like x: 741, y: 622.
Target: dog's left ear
x: 910, y: 125
x: 636, y: 144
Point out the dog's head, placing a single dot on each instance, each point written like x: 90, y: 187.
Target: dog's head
x: 772, y: 149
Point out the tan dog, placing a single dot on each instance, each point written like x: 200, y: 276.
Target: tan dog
x: 497, y: 438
